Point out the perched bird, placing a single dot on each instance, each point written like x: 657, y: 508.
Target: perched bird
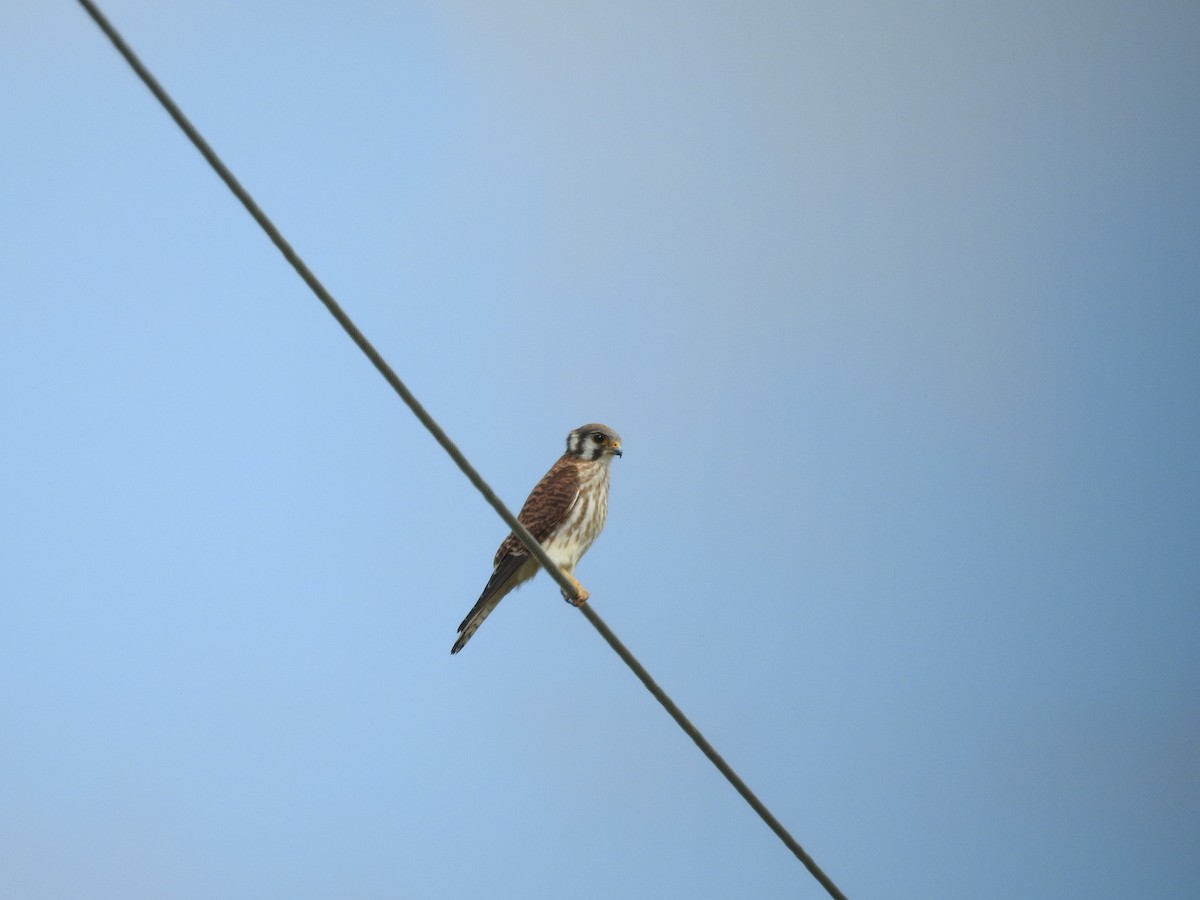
x: 564, y: 513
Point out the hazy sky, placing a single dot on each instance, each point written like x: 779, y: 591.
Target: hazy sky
x: 896, y: 307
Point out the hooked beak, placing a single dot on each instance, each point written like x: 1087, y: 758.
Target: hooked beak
x: 615, y: 449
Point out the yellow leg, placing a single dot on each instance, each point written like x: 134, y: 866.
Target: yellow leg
x: 583, y: 594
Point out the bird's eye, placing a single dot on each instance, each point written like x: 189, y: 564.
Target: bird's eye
x: 598, y: 437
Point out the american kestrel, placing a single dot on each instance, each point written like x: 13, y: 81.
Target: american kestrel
x: 564, y: 513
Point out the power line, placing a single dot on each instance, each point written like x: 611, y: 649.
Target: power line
x: 708, y: 750
x: 569, y: 588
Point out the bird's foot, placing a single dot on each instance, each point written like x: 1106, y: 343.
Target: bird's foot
x: 582, y: 594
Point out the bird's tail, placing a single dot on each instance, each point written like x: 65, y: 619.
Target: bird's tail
x: 474, y: 619
x: 512, y: 572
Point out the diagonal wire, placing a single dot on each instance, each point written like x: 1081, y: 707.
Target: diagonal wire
x: 323, y: 294
x: 708, y: 750
x: 368, y: 349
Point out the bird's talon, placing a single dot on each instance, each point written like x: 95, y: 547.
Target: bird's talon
x: 576, y: 601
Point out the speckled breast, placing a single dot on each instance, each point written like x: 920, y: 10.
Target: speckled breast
x: 584, y: 520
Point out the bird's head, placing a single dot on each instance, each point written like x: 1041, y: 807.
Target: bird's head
x: 591, y: 442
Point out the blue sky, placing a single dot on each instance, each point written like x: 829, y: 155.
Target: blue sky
x: 895, y: 306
